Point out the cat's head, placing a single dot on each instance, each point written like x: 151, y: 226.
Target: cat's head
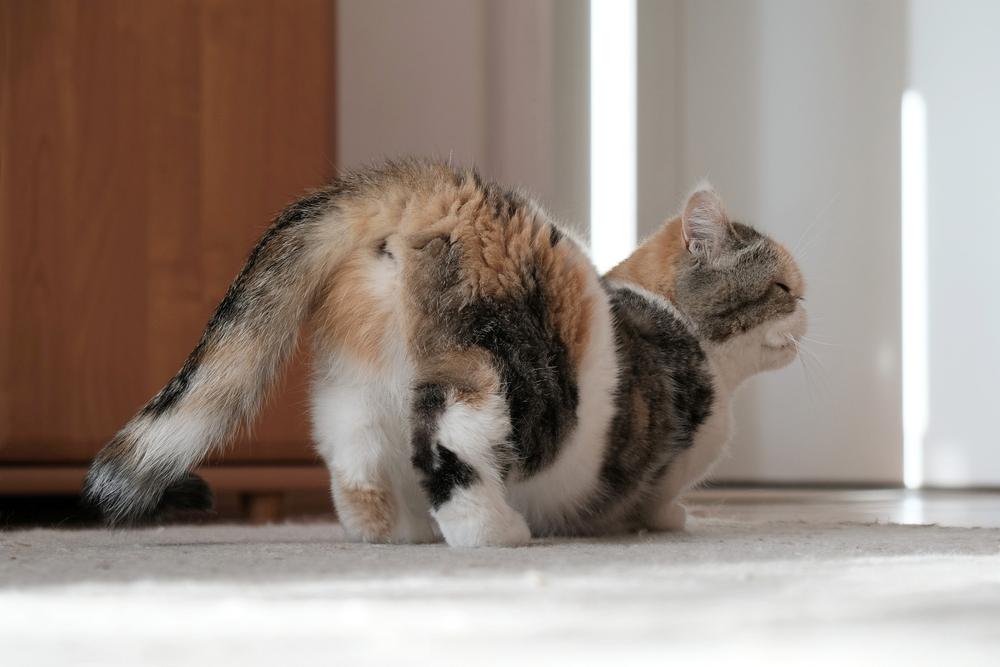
x: 742, y: 290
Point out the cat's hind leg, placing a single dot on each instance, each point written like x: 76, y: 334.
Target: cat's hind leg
x: 460, y: 448
x: 361, y: 433
x: 351, y: 440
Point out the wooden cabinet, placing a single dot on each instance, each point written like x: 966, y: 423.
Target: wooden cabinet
x: 144, y: 146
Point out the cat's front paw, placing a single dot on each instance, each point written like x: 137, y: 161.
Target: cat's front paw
x: 670, y: 516
x: 503, y: 529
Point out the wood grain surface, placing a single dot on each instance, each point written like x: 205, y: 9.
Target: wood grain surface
x: 144, y: 146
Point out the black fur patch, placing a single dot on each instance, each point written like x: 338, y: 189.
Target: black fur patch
x: 443, y: 473
x: 518, y: 332
x: 533, y: 364
x: 442, y: 470
x: 126, y: 498
x: 189, y: 494
x: 176, y: 387
x: 664, y: 394
x: 383, y: 249
x: 555, y: 236
x: 504, y: 202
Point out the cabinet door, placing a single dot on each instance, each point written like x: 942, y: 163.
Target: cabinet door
x: 144, y: 146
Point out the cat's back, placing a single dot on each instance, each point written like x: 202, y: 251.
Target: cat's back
x: 436, y: 238
x: 487, y: 246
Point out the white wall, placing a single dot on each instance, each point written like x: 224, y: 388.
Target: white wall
x: 955, y: 64
x: 792, y: 110
x: 660, y: 35
x: 499, y: 85
x: 410, y: 79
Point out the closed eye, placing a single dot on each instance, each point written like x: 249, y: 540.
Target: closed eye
x: 784, y: 287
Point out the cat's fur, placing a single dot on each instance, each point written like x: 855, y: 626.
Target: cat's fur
x: 475, y: 377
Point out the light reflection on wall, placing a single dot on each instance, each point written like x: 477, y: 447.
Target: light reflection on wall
x: 612, y: 131
x: 914, y: 285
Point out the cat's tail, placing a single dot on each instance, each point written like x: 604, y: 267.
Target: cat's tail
x: 145, y: 467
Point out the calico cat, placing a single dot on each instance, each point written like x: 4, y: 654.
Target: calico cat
x: 475, y: 379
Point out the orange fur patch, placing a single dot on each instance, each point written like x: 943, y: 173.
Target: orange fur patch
x: 433, y: 208
x: 368, y: 509
x: 351, y: 318
x: 512, y: 258
x: 468, y: 372
x: 640, y: 412
x: 653, y: 266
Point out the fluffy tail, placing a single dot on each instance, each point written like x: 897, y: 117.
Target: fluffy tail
x: 224, y: 380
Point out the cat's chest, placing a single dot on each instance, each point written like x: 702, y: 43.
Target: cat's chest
x: 710, y: 438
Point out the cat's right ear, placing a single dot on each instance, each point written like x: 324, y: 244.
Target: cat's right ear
x: 704, y: 222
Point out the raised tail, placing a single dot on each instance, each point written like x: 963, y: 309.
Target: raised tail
x: 226, y: 377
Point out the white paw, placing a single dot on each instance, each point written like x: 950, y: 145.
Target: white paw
x: 496, y: 529
x: 668, y: 516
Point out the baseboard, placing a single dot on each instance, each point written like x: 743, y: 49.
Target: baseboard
x: 244, y: 478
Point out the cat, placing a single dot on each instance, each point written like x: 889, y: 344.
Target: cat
x: 475, y: 379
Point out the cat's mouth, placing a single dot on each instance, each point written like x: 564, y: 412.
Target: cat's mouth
x: 781, y: 342
x: 784, y: 337
x: 778, y: 353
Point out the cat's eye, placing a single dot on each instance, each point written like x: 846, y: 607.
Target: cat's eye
x: 784, y: 287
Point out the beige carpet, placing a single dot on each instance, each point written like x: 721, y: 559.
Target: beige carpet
x: 724, y: 592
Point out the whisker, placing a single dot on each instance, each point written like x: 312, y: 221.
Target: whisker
x: 821, y: 213
x: 815, y: 377
x: 808, y: 379
x: 811, y: 390
x: 807, y: 239
x: 811, y: 357
x: 810, y: 339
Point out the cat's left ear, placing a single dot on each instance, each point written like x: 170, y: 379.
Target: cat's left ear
x: 704, y: 221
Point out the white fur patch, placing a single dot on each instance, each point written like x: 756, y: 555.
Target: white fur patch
x: 175, y: 441
x: 473, y: 431
x: 695, y: 464
x: 479, y: 516
x: 786, y: 330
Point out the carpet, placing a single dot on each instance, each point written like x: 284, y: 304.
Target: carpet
x: 725, y: 591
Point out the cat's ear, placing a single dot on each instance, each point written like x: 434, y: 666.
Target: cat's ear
x: 704, y: 221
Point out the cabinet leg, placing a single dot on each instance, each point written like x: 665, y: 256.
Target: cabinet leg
x: 262, y: 507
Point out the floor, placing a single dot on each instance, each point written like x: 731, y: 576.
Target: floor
x: 968, y: 509
x: 760, y: 577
